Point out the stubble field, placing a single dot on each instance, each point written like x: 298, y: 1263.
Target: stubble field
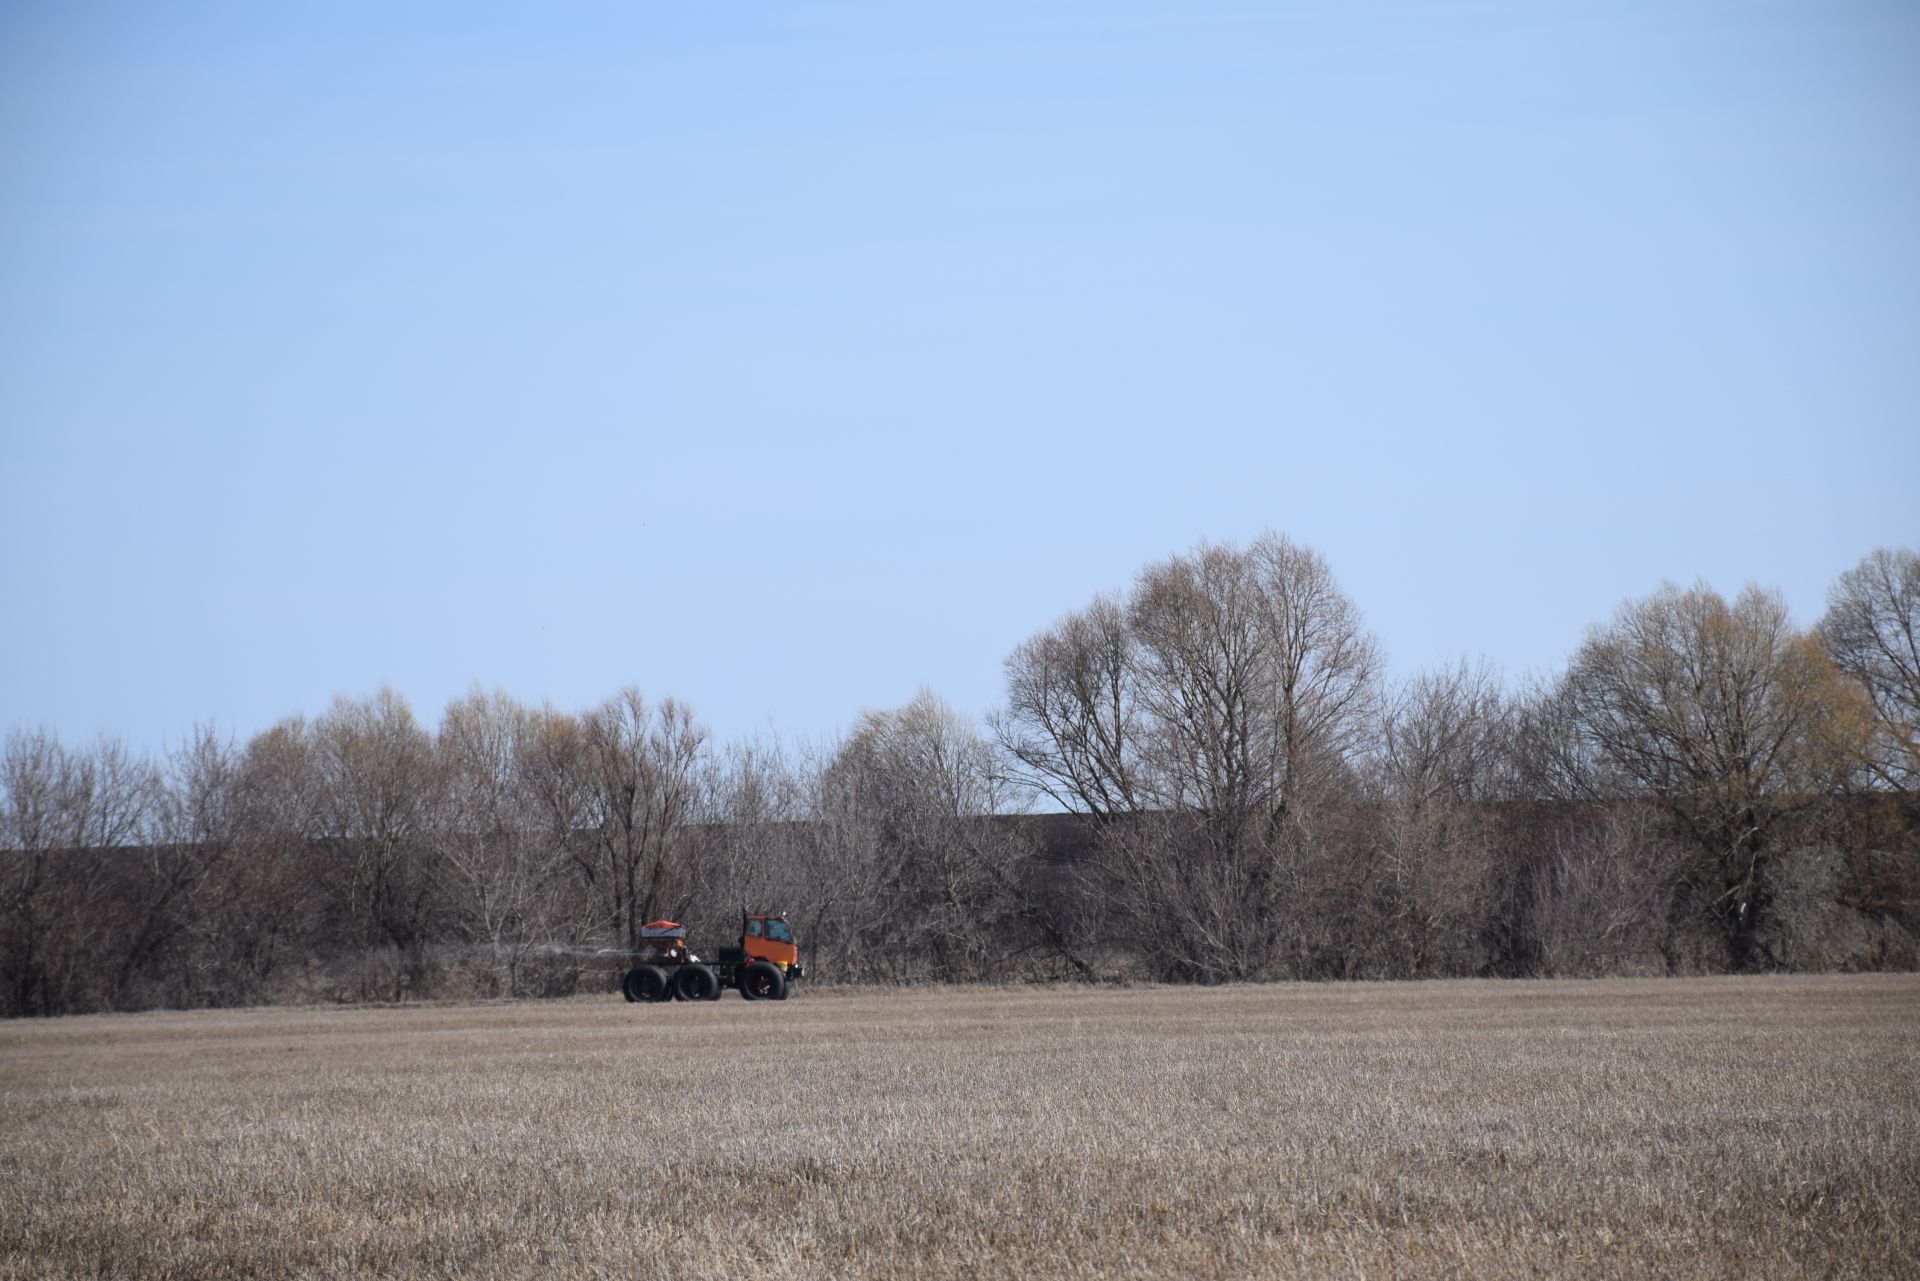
x: 1720, y: 1127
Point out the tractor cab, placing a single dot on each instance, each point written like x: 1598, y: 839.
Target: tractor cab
x: 770, y: 938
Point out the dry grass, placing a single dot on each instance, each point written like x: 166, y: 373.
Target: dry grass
x: 1722, y: 1127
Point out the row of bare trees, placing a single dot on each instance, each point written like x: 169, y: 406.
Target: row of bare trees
x: 1204, y: 778
x: 1267, y: 805
x: 514, y: 850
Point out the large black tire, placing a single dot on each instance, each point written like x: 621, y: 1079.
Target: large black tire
x: 763, y: 982
x: 646, y: 983
x: 696, y: 983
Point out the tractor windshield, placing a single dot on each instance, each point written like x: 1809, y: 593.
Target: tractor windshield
x: 778, y: 932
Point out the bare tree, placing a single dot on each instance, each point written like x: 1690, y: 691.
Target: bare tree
x: 376, y: 783
x: 1442, y: 758
x: 268, y: 913
x: 1598, y: 899
x: 1255, y: 679
x: 1724, y: 714
x: 65, y: 818
x: 1322, y: 668
x: 924, y: 785
x: 845, y: 872
x: 749, y: 852
x: 497, y: 866
x: 1194, y: 905
x: 1073, y: 722
x: 551, y: 762
x: 641, y: 790
x: 1203, y: 679
x: 183, y: 866
x: 1254, y: 684
x: 1872, y: 633
x: 1446, y: 735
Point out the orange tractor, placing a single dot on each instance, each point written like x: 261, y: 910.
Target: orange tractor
x: 760, y: 966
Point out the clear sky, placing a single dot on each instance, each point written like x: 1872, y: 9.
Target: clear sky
x: 784, y: 358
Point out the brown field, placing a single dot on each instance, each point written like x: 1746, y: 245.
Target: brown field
x: 1721, y: 1127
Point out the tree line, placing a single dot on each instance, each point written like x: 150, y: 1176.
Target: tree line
x: 1206, y: 777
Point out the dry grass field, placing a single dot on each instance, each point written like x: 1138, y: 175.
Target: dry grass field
x: 1722, y: 1127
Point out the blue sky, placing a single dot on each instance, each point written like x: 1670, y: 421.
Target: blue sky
x: 787, y: 358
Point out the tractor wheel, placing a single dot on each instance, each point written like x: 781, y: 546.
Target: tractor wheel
x: 696, y: 983
x: 646, y: 983
x: 762, y: 982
